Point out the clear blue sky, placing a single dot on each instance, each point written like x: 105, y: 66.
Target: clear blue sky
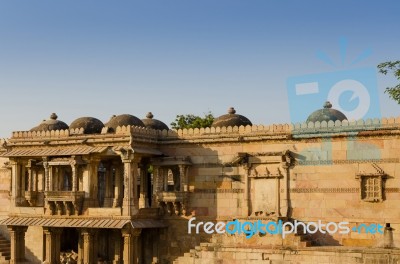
x: 99, y: 58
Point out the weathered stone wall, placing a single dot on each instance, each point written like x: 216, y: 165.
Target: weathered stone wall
x: 323, y: 184
x: 212, y: 253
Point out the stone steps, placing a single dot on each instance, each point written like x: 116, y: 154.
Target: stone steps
x: 207, y: 253
x: 5, y: 250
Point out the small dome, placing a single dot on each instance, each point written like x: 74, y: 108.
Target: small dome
x: 123, y: 120
x: 231, y: 119
x: 90, y: 125
x: 326, y: 114
x: 51, y: 124
x: 149, y: 122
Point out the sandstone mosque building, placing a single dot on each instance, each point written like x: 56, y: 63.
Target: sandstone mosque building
x: 124, y: 191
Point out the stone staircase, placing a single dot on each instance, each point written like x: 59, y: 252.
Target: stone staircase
x: 232, y: 250
x: 5, y: 250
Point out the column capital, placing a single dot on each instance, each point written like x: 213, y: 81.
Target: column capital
x: 182, y: 166
x: 13, y: 161
x: 128, y: 156
x: 17, y: 228
x: 31, y: 163
x: 45, y: 162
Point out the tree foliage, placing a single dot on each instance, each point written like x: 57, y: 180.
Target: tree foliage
x: 192, y: 121
x: 394, y: 67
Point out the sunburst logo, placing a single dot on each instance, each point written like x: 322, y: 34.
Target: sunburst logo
x: 353, y: 92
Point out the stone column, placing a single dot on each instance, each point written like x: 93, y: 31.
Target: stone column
x: 128, y: 246
x: 53, y: 237
x: 53, y: 173
x: 183, y: 178
x: 30, y: 184
x: 35, y: 180
x: 93, y: 182
x: 17, y: 239
x: 117, y: 247
x: 89, y: 248
x: 118, y: 185
x: 156, y: 186
x: 137, y: 246
x: 130, y: 203
x: 14, y: 181
x: 143, y: 187
x: 80, y: 249
x: 46, y: 175
x: 30, y: 193
x: 108, y: 197
x: 165, y: 179
x: 74, y: 169
x: 130, y: 251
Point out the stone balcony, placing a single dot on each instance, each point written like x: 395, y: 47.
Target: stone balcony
x: 63, y: 202
x: 173, y: 202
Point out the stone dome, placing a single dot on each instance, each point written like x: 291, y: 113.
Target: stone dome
x: 123, y: 120
x: 90, y: 125
x: 51, y: 124
x: 231, y: 119
x: 149, y: 122
x: 326, y: 114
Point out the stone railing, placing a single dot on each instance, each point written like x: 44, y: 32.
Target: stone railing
x: 63, y: 202
x: 173, y: 202
x: 172, y: 196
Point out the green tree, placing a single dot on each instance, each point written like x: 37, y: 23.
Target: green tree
x: 192, y: 121
x: 392, y: 66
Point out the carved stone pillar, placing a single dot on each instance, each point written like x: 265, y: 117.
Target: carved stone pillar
x: 46, y: 174
x: 53, y: 243
x: 183, y: 178
x: 130, y: 203
x: 118, y: 185
x: 17, y: 239
x: 14, y: 181
x: 117, y: 247
x: 30, y: 193
x: 80, y: 249
x: 93, y: 182
x: 89, y: 247
x: 165, y: 179
x: 52, y: 173
x: 130, y: 251
x: 137, y: 246
x: 128, y: 246
x: 156, y: 186
x: 109, y: 191
x: 74, y: 168
x: 143, y: 203
x: 29, y: 170
x: 35, y: 179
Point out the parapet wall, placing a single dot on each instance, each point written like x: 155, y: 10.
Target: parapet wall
x: 278, y: 129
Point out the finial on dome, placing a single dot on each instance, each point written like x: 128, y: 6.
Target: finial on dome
x: 149, y: 115
x: 327, y: 104
x: 53, y: 116
x: 231, y: 110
